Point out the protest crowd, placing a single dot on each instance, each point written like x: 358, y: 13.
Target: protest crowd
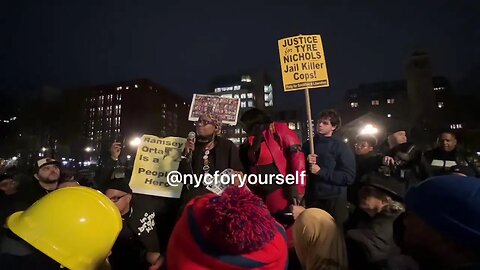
x: 356, y: 208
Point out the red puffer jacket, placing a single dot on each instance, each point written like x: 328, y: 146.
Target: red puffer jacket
x: 282, y: 148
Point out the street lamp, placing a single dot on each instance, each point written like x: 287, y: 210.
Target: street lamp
x: 44, y: 149
x: 368, y: 130
x: 88, y: 149
x: 135, y: 142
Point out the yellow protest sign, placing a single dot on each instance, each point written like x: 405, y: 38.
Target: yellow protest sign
x: 155, y: 158
x: 303, y: 62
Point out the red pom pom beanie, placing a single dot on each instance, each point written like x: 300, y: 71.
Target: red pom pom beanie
x: 231, y: 231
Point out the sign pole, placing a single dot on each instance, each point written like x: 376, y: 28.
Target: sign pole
x: 309, y: 121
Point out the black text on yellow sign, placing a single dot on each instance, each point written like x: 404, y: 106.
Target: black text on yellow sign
x: 303, y: 62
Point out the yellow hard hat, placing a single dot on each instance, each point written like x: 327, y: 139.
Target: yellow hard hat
x: 75, y: 226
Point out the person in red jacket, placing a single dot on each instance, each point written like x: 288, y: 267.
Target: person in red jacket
x: 231, y: 231
x: 272, y: 148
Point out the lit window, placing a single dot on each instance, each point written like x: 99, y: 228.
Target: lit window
x: 229, y: 88
x: 119, y: 97
x: 249, y: 95
x: 390, y: 100
x: 126, y: 87
x: 246, y: 78
x: 269, y: 97
x: 119, y: 88
x: 136, y: 85
x: 291, y: 126
x: 243, y: 96
x: 440, y: 104
x: 375, y: 102
x: 109, y: 111
x: 438, y: 88
x: 267, y: 88
x: 236, y: 96
x: 217, y: 90
x: 236, y: 87
x: 389, y: 115
x: 227, y: 95
x: 243, y: 104
x: 250, y: 104
x: 354, y: 104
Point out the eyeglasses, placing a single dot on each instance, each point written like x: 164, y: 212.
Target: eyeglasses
x: 201, y: 123
x: 116, y: 199
x: 362, y: 145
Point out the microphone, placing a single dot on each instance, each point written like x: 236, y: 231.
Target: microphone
x: 190, y: 137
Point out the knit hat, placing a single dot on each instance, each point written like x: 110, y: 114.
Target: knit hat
x: 396, y: 127
x: 451, y: 205
x: 118, y: 184
x: 232, y: 231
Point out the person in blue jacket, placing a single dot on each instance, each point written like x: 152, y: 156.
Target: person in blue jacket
x: 331, y: 169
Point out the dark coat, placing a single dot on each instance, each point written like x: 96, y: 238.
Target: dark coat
x: 224, y: 155
x: 337, y: 164
x: 443, y: 162
x: 369, y: 240
x: 410, y: 169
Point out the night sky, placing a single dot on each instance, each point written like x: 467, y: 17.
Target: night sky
x: 184, y: 44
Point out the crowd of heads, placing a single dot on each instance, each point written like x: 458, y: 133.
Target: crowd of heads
x: 436, y: 220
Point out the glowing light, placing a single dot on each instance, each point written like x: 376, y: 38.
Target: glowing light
x: 369, y: 129
x: 135, y: 142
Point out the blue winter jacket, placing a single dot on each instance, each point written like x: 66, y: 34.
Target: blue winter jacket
x: 337, y: 163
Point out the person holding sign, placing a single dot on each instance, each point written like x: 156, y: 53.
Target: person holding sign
x: 331, y: 168
x: 207, y: 153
